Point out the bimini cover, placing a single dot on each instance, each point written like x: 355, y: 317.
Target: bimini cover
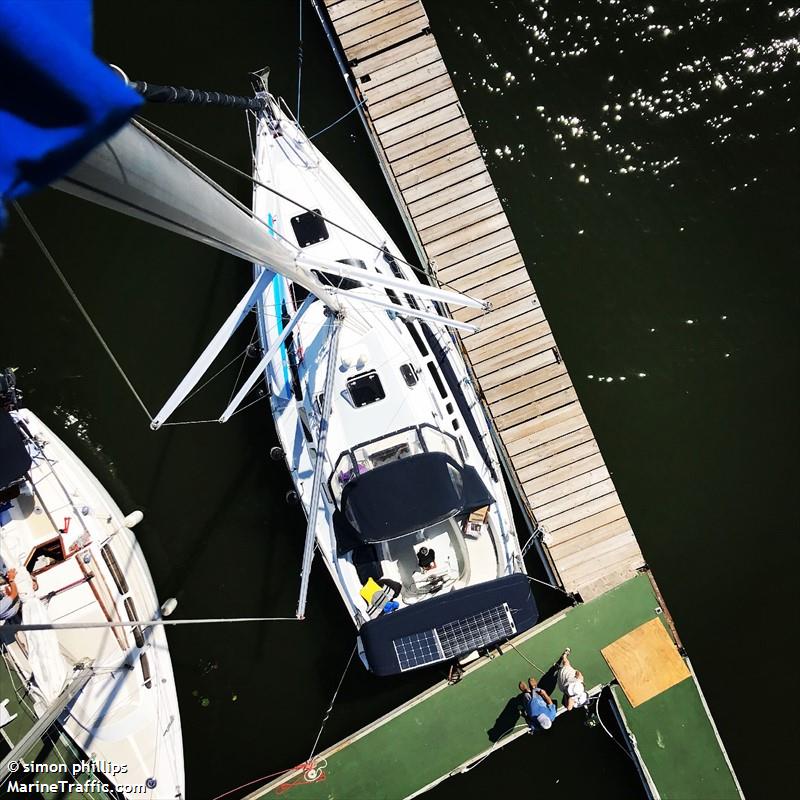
x: 410, y: 494
x: 448, y: 626
x: 14, y: 458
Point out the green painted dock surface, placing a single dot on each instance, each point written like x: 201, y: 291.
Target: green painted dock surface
x: 676, y: 739
x: 53, y: 757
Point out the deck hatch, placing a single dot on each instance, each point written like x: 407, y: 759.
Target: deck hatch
x: 309, y: 228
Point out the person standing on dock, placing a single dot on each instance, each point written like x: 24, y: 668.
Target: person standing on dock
x: 570, y: 683
x: 540, y: 710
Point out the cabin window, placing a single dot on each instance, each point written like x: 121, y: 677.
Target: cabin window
x: 309, y: 228
x: 365, y: 389
x: 456, y: 424
x: 437, y: 379
x: 409, y: 374
x: 449, y: 408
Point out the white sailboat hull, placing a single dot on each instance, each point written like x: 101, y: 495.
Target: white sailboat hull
x: 427, y: 402
x: 128, y: 713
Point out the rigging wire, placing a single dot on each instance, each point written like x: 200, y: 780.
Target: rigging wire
x: 337, y: 121
x: 236, y: 171
x: 29, y: 225
x: 49, y: 257
x: 551, y: 586
x: 333, y: 700
x: 141, y: 623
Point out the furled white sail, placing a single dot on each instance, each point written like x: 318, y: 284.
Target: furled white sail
x: 137, y: 174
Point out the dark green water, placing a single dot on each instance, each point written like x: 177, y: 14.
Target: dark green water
x: 689, y: 213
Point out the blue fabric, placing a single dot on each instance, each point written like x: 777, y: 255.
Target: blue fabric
x: 57, y: 100
x: 536, y: 706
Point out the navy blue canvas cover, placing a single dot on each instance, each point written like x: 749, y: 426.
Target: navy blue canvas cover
x: 410, y: 494
x: 377, y: 636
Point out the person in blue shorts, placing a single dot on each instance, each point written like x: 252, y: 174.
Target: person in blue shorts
x: 540, y: 710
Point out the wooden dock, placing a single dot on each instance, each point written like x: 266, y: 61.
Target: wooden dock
x: 435, y: 171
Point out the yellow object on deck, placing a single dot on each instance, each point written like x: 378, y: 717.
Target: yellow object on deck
x: 368, y: 590
x: 646, y: 662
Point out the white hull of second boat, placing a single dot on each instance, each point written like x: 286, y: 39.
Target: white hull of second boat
x: 127, y: 714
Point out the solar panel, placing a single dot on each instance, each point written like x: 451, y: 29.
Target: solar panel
x: 418, y: 649
x: 455, y: 638
x: 471, y: 633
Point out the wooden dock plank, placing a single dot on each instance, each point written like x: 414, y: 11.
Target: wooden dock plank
x: 561, y: 466
x: 615, y: 536
x: 557, y: 498
x: 533, y: 432
x: 422, y: 107
x: 345, y: 7
x: 583, y: 527
x: 409, y: 97
x: 602, y: 533
x: 480, y: 262
x: 536, y: 407
x: 366, y: 66
x: 510, y: 269
x: 581, y: 511
x: 462, y: 255
x: 452, y: 208
x: 520, y: 391
x: 542, y: 367
x: 473, y: 165
x: 424, y: 138
x: 490, y: 332
x: 441, y: 149
x: 572, y: 502
x: 366, y: 12
x: 554, y: 440
x: 383, y: 32
x: 499, y: 296
x: 526, y: 340
x: 476, y: 230
x: 418, y: 181
x: 378, y: 78
x: 422, y: 124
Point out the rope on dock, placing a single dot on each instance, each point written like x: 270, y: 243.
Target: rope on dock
x: 522, y: 655
x: 333, y: 700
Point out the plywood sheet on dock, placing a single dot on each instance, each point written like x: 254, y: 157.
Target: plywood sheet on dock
x: 433, y: 164
x: 645, y: 662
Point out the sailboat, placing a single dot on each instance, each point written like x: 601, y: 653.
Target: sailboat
x: 384, y: 434
x: 70, y: 558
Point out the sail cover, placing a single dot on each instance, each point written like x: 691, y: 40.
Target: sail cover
x: 57, y: 100
x: 410, y: 494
